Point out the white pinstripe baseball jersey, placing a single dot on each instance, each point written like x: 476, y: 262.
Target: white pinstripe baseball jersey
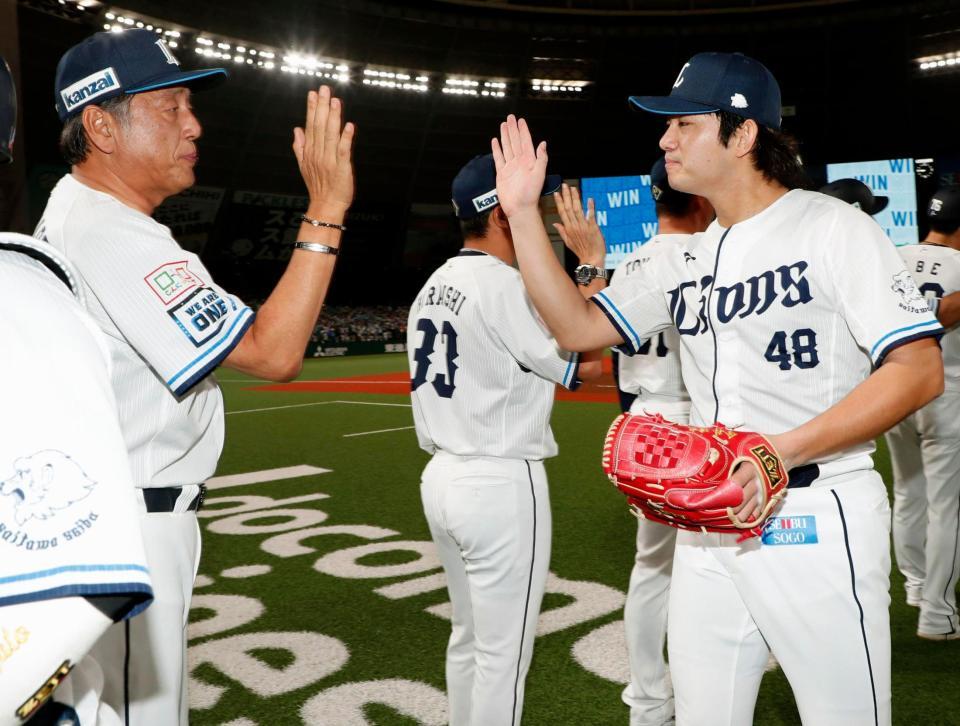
x: 482, y: 362
x: 654, y: 372
x: 780, y: 316
x: 936, y: 270
x: 168, y: 324
x: 68, y: 524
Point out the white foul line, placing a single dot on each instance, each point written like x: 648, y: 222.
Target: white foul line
x: 379, y: 431
x: 374, y: 403
x: 257, y: 477
x: 277, y: 408
x: 316, y: 403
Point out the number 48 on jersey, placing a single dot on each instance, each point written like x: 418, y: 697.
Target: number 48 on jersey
x: 798, y: 349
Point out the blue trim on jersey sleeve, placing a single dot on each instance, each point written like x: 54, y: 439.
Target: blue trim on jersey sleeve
x: 72, y: 568
x: 932, y: 326
x: 570, y: 380
x: 936, y: 334
x: 141, y: 595
x: 212, y: 357
x: 631, y: 344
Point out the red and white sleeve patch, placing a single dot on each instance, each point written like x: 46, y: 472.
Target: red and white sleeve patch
x: 171, y: 281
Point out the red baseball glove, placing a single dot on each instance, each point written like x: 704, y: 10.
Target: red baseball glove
x: 680, y: 475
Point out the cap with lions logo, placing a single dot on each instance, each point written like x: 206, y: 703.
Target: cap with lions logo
x: 108, y: 64
x: 711, y: 82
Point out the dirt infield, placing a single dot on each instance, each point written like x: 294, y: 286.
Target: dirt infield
x: 398, y: 383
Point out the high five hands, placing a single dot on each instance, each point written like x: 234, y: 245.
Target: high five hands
x: 521, y: 168
x: 579, y: 232
x: 323, y: 151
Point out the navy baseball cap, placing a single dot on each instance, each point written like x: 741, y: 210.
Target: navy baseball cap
x: 856, y: 193
x: 107, y: 64
x: 944, y: 205
x: 8, y: 113
x: 711, y: 82
x: 660, y: 188
x: 475, y: 187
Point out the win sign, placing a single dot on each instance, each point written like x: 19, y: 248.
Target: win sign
x: 892, y: 178
x: 625, y: 212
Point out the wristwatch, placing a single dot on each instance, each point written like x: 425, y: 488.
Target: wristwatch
x: 585, y: 274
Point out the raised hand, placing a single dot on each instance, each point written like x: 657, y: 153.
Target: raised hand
x: 579, y: 233
x: 521, y: 169
x: 323, y: 152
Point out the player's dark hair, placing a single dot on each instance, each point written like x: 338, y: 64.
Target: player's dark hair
x: 943, y: 227
x: 476, y: 226
x: 775, y: 154
x: 73, y: 139
x: 674, y: 205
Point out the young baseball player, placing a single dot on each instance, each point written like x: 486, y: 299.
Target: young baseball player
x: 70, y: 545
x: 796, y: 319
x: 483, y: 372
x: 130, y: 136
x: 925, y: 447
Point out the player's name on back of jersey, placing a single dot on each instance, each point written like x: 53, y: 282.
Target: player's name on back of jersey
x: 445, y: 295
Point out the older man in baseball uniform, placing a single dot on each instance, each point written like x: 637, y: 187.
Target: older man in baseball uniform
x: 795, y: 319
x: 483, y: 372
x: 70, y: 546
x: 130, y: 136
x: 925, y: 447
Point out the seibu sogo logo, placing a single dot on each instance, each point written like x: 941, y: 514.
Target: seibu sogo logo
x: 790, y: 530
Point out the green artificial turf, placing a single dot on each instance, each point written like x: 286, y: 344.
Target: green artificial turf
x: 375, y: 482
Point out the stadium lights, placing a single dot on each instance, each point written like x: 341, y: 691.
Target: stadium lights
x: 80, y: 4
x: 941, y: 62
x: 559, y: 87
x: 457, y: 86
x: 396, y: 80
x: 309, y: 65
x: 219, y: 47
x: 243, y: 52
x: 123, y: 19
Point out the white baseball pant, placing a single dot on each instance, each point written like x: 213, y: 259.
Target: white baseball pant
x: 822, y: 608
x: 649, y: 694
x: 144, y: 659
x: 490, y: 519
x: 925, y: 453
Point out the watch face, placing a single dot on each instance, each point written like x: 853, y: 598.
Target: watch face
x: 584, y: 274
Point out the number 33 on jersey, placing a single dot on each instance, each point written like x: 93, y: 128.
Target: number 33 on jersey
x: 483, y: 366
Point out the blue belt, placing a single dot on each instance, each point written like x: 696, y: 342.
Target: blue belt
x: 164, y: 499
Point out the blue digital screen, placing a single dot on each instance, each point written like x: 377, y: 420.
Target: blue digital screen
x: 892, y: 178
x: 625, y: 212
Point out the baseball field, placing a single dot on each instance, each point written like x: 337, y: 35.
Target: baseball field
x: 320, y: 599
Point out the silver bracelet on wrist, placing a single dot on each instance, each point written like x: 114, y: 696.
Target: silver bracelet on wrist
x: 318, y: 223
x: 316, y: 247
